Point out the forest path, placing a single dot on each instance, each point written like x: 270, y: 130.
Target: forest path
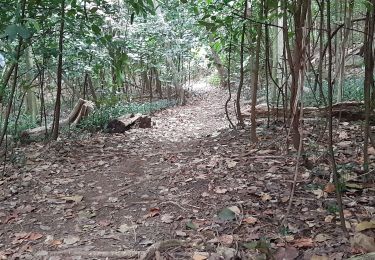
x: 105, y: 192
x: 189, y: 178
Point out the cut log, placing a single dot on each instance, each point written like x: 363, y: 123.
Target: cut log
x: 127, y: 122
x: 345, y: 111
x: 81, y: 109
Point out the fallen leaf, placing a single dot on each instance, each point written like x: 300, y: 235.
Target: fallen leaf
x: 231, y: 164
x: 126, y: 228
x: 71, y: 199
x: 226, y: 240
x: 219, y: 190
x: 318, y: 257
x: 266, y: 197
x: 70, y: 240
x: 191, y: 225
x: 319, y: 193
x: 180, y: 233
x: 288, y: 253
x: 55, y: 242
x: 322, y: 238
x: 330, y: 188
x: 329, y: 218
x: 365, y: 225
x: 200, y: 256
x: 250, y: 220
x: 167, y: 218
x: 153, y: 212
x: 363, y: 241
x: 34, y: 236
x: 235, y: 209
x: 303, y: 242
x: 20, y: 237
x: 226, y: 215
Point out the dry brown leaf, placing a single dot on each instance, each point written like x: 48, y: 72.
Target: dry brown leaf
x: 329, y: 219
x: 303, y: 242
x: 319, y: 257
x: 266, y: 197
x: 34, y: 236
x: 322, y: 238
x: 153, y: 212
x: 200, y: 256
x: 235, y: 209
x: 319, y: 193
x: 363, y: 241
x: 288, y: 253
x: 330, y: 188
x: 226, y: 240
x: 250, y: 220
x: 365, y: 225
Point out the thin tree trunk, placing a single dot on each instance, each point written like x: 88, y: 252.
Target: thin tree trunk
x: 56, y: 122
x: 369, y: 78
x: 14, y: 84
x: 330, y: 122
x: 255, y: 79
x: 242, y: 72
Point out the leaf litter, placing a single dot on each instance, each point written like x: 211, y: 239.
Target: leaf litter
x: 188, y: 178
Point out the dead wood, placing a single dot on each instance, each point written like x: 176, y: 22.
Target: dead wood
x: 126, y: 122
x: 345, y: 111
x: 81, y: 109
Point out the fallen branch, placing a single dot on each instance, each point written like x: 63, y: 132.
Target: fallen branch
x: 81, y: 109
x: 349, y: 111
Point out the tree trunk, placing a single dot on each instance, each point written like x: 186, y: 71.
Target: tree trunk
x: 242, y: 72
x: 255, y: 79
x: 56, y: 126
x: 369, y: 77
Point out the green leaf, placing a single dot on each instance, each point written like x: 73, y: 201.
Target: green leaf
x: 96, y: 29
x: 13, y: 30
x: 226, y: 215
x: 191, y: 225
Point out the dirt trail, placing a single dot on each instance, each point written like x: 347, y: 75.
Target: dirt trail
x: 103, y: 192
x: 113, y: 193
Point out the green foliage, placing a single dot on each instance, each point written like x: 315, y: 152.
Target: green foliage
x: 353, y: 91
x: 214, y: 80
x: 332, y: 208
x: 99, y: 119
x: 15, y: 128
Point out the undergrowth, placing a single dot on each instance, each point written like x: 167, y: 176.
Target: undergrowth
x: 99, y: 119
